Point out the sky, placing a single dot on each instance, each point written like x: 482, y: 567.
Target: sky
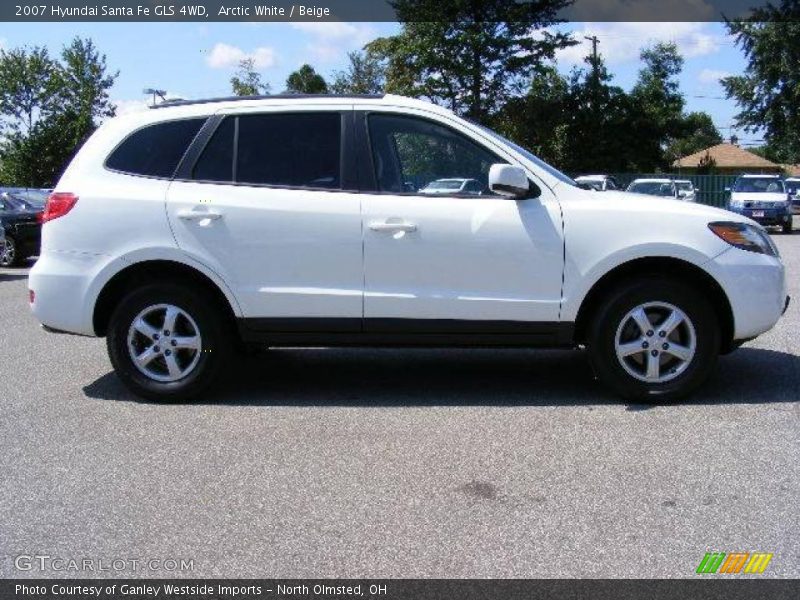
x: 195, y: 60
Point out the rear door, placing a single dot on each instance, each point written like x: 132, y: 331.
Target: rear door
x: 266, y: 205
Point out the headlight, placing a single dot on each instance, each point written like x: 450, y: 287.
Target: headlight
x: 739, y: 204
x: 745, y: 237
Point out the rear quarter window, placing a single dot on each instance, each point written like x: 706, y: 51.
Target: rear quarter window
x: 155, y: 150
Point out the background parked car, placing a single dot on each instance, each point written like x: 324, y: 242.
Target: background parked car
x: 664, y: 188
x: 453, y: 186
x: 600, y: 183
x: 762, y: 198
x: 22, y: 227
x: 686, y: 190
x: 793, y: 187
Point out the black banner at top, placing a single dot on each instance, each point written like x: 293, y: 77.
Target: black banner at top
x: 378, y: 10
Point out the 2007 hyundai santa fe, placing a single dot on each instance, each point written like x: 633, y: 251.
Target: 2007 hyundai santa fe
x: 187, y: 232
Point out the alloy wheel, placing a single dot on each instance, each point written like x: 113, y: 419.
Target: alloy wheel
x: 655, y: 342
x: 164, y: 343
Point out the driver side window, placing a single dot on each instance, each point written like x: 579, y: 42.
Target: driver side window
x: 416, y: 156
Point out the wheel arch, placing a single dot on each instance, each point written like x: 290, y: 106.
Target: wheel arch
x: 662, y: 266
x: 149, y: 271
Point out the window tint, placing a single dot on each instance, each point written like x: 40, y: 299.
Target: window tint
x: 216, y: 161
x: 155, y: 150
x: 419, y: 156
x: 299, y: 150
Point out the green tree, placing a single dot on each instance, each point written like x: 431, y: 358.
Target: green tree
x: 247, y: 81
x: 306, y: 81
x: 657, y: 111
x: 48, y: 109
x: 536, y: 120
x: 469, y: 55
x: 696, y: 132
x: 768, y: 93
x: 28, y: 87
x: 364, y: 75
x: 84, y: 83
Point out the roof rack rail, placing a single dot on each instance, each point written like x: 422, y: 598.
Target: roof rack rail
x: 169, y: 103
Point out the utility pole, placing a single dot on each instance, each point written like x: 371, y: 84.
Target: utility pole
x: 595, y: 67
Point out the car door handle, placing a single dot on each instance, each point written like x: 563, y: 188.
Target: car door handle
x: 392, y: 226
x: 196, y: 215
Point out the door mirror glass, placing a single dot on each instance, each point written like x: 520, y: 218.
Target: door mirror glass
x: 509, y: 180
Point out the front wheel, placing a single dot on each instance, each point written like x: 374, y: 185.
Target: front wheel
x: 166, y: 343
x: 9, y: 257
x: 654, y: 340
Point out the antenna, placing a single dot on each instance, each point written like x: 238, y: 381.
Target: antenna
x: 160, y: 93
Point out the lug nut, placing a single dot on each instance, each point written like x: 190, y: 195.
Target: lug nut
x: 166, y: 332
x: 662, y: 334
x: 167, y: 352
x: 645, y: 345
x: 665, y: 346
x: 654, y: 352
x: 650, y: 333
x: 156, y: 349
x: 155, y: 337
x: 174, y: 342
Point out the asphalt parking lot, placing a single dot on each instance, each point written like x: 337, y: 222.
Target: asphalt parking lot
x: 363, y: 463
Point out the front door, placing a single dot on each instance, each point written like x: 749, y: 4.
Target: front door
x: 441, y: 252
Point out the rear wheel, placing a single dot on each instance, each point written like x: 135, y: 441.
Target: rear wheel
x: 654, y: 340
x: 166, y: 343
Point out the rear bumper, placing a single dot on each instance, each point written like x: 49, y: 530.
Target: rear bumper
x: 64, y: 291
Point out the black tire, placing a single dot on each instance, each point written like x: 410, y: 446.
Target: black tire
x: 10, y: 256
x: 787, y: 227
x: 611, y: 312
x: 218, y: 342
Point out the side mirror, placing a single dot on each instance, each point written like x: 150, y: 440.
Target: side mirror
x: 509, y: 181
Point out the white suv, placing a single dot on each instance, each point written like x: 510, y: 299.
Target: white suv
x: 188, y: 231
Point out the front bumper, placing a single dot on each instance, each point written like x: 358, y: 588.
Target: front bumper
x: 756, y: 288
x: 765, y: 216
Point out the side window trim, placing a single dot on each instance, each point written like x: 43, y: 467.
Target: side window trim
x: 368, y: 182
x: 185, y: 166
x: 347, y: 163
x: 138, y: 129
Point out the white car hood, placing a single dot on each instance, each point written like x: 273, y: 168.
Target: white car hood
x: 758, y: 197
x: 639, y: 202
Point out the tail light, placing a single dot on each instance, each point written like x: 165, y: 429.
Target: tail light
x: 58, y: 204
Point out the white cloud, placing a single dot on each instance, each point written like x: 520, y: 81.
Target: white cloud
x: 331, y: 40
x: 225, y: 56
x: 622, y: 41
x: 711, y: 76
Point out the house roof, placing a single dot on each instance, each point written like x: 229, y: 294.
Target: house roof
x: 792, y: 170
x: 727, y: 156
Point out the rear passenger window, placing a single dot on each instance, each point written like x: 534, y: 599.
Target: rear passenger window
x: 155, y: 150
x: 216, y: 161
x: 294, y: 150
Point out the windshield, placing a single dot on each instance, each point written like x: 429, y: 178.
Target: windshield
x: 685, y: 186
x: 759, y: 185
x: 651, y: 188
x: 792, y: 186
x: 527, y: 154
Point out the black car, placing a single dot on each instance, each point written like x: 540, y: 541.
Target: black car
x: 21, y: 222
